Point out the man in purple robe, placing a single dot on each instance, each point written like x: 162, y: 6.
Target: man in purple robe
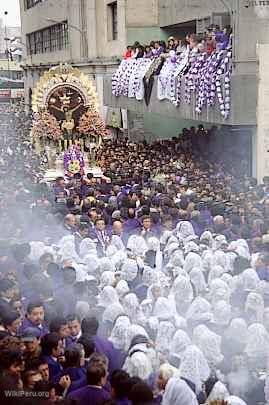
x: 93, y: 393
x: 34, y: 318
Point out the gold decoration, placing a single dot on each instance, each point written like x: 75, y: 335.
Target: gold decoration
x: 58, y: 78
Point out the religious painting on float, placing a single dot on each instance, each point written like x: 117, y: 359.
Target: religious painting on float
x: 66, y: 110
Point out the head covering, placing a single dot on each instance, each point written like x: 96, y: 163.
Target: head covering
x: 137, y: 245
x: 82, y: 309
x: 177, y: 392
x: 218, y: 392
x: 250, y: 279
x: 86, y: 247
x: 209, y: 343
x: 106, y: 265
x: 219, y: 291
x: 192, y: 260
x: 198, y: 280
x: 194, y: 367
x: 207, y: 238
x: 182, y: 289
x: 179, y: 343
x: 108, y: 296
x: 117, y: 242
x: 222, y: 313
x: 67, y: 248
x: 112, y: 312
x: 107, y: 278
x: 237, y: 330
x: 184, y: 229
x: 199, y: 310
x: 119, y: 332
x: 153, y: 244
x: 129, y: 270
x: 30, y: 334
x: 134, y: 330
x: 122, y: 288
x: 257, y: 341
x: 165, y: 334
x: 163, y: 309
x: 255, y: 304
x: 215, y: 272
x: 130, y: 304
x: 191, y: 247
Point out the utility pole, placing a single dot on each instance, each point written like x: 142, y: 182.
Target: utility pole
x: 7, y: 50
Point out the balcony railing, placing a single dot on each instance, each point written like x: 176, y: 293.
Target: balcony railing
x: 195, y: 78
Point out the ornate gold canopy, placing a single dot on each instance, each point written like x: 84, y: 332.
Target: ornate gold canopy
x: 63, y: 77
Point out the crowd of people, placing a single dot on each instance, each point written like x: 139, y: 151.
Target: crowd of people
x: 147, y: 286
x: 214, y: 39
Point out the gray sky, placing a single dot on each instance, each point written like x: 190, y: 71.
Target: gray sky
x: 13, y: 9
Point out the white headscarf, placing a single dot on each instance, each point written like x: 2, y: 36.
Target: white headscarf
x: 222, y: 313
x: 194, y: 367
x: 255, y: 302
x: 92, y: 263
x: 117, y: 242
x: 108, y: 296
x: 220, y: 259
x: 82, y: 309
x: 119, y: 332
x: 219, y: 291
x: 237, y: 330
x: 137, y: 245
x: 67, y: 248
x: 176, y: 259
x: 257, y: 341
x: 107, y: 278
x: 198, y: 280
x: 122, y: 288
x: 129, y: 270
x: 218, y: 393
x: 177, y: 392
x: 139, y: 364
x: 134, y: 330
x: 199, y: 310
x: 207, y: 237
x: 112, y: 312
x: 182, y: 289
x: 215, y: 272
x: 250, y: 279
x: 209, y: 343
x: 179, y: 343
x: 163, y: 309
x: 86, y: 247
x: 192, y: 260
x: 164, y: 336
x: 130, y: 304
x: 184, y: 229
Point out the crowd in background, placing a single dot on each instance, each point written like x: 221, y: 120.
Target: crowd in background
x: 214, y: 39
x: 146, y: 286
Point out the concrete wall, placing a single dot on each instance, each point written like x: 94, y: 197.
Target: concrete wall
x: 177, y: 11
x: 141, y: 13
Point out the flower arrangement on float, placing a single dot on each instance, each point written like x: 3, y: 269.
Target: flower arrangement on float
x: 46, y: 127
x: 91, y: 123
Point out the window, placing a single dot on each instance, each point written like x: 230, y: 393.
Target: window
x: 112, y: 21
x: 32, y: 3
x: 51, y: 39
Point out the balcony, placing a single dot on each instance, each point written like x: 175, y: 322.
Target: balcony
x: 219, y: 93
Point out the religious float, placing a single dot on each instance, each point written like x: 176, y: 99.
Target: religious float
x: 67, y: 125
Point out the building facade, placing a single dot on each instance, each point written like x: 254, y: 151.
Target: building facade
x: 249, y: 81
x: 7, y: 32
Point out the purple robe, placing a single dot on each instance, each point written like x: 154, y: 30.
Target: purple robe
x: 26, y: 323
x: 89, y: 395
x: 104, y: 346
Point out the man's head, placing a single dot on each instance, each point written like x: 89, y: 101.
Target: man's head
x: 42, y: 367
x: 120, y: 384
x: 166, y: 372
x: 89, y: 326
x: 92, y: 213
x: 146, y: 222
x: 7, y: 289
x: 11, y: 321
x: 31, y: 338
x: 73, y: 325
x: 60, y: 326
x: 70, y: 220
x: 83, y: 230
x: 100, y: 224
x: 117, y: 228
x: 96, y: 375
x: 35, y: 312
x: 52, y: 345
